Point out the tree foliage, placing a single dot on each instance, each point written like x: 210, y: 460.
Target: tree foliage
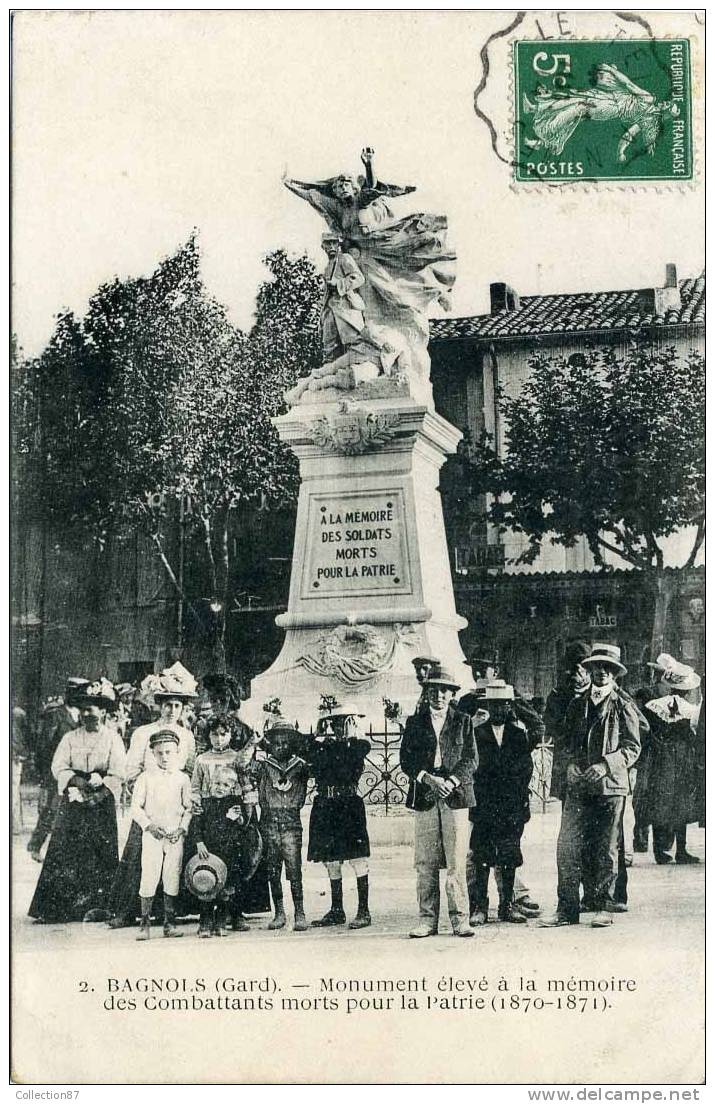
x: 155, y: 402
x: 606, y: 447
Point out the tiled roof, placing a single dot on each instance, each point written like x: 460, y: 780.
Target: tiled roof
x: 579, y: 313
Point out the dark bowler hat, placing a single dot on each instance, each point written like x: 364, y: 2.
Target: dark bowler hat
x: 481, y: 658
x: 425, y: 661
x: 575, y: 652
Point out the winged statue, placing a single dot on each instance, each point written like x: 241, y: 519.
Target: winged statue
x: 555, y: 116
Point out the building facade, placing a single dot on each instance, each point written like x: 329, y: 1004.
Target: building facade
x: 81, y: 608
x: 527, y: 612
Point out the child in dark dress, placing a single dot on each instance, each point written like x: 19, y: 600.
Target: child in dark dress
x: 338, y: 826
x: 224, y: 801
x: 282, y: 785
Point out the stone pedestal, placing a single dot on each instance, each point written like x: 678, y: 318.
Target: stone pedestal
x: 370, y: 584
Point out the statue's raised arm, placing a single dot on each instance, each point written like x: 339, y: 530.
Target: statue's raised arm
x: 404, y: 261
x: 372, y: 188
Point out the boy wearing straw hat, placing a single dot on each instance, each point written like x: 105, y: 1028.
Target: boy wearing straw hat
x: 599, y: 741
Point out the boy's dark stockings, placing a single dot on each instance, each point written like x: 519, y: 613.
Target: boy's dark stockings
x: 299, y: 921
x: 362, y: 918
x: 206, y: 913
x: 279, y: 917
x: 335, y: 914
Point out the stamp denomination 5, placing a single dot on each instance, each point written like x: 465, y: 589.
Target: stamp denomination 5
x: 598, y: 110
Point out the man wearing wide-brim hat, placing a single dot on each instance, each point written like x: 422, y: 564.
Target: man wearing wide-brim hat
x: 598, y: 743
x: 485, y: 669
x: 438, y: 756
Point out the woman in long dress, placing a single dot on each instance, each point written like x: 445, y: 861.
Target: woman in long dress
x: 171, y: 690
x: 666, y: 795
x: 83, y: 853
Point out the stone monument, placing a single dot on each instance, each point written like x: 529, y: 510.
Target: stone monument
x: 370, y: 586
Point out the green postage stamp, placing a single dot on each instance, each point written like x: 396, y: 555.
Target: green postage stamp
x: 618, y: 110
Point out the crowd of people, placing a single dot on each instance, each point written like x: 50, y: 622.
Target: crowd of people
x: 215, y: 807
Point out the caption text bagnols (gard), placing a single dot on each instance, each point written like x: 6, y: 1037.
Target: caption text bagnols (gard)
x: 352, y: 996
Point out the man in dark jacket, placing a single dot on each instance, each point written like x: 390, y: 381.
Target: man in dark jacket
x: 501, y: 792
x: 438, y: 756
x: 484, y: 670
x: 599, y: 741
x: 573, y: 679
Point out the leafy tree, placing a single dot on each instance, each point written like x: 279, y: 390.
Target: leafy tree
x: 606, y: 447
x: 154, y: 411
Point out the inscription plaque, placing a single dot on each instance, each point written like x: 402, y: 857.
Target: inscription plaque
x: 356, y: 545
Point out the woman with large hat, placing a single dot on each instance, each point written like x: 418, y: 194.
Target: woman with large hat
x: 338, y: 825
x: 170, y: 691
x: 83, y: 852
x: 667, y: 783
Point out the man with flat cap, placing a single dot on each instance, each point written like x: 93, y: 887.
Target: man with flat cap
x: 423, y: 664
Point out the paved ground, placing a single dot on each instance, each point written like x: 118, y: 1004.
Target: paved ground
x: 663, y: 898
x: 62, y: 973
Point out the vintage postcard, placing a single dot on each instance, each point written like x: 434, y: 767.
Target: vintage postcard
x: 358, y: 696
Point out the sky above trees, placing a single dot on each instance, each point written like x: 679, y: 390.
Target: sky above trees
x: 132, y: 128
